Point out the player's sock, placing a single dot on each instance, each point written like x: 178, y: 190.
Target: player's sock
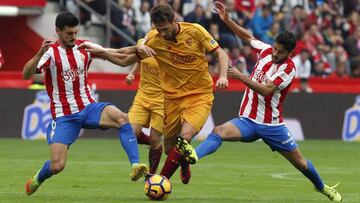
x: 142, y: 138
x: 209, y: 145
x: 45, y: 172
x: 171, y: 163
x: 154, y: 159
x: 129, y: 143
x: 185, y: 172
x: 313, y: 176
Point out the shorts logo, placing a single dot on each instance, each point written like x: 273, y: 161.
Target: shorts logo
x: 53, y: 126
x: 291, y: 139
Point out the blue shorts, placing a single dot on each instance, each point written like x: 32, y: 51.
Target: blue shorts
x: 278, y: 137
x: 66, y: 129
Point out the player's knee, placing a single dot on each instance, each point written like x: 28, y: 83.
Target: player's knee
x: 220, y: 130
x: 57, y: 167
x: 155, y: 141
x: 187, y: 135
x: 302, y: 165
x: 122, y: 119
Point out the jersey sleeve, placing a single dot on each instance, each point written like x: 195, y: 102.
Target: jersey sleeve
x: 45, y: 61
x: 259, y: 46
x: 283, y: 77
x: 205, y: 38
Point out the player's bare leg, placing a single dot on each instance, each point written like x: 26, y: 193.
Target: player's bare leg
x: 56, y: 165
x: 141, y: 137
x: 114, y: 118
x: 155, y: 151
x: 187, y: 133
x: 306, y: 167
x: 227, y: 131
x: 172, y: 159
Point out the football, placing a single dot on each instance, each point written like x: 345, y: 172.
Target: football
x: 157, y: 187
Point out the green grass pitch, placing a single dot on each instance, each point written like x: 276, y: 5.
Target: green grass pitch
x: 97, y: 170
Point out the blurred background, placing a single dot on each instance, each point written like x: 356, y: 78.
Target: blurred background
x: 322, y: 103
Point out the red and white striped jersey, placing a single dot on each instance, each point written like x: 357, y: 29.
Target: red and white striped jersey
x: 66, y: 78
x: 267, y: 110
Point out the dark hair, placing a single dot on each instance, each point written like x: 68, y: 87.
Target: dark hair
x: 286, y: 39
x: 66, y: 19
x: 161, y: 14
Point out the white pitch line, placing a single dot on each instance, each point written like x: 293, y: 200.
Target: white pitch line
x: 286, y: 176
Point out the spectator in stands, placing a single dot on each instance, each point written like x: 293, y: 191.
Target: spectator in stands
x: 2, y: 61
x: 238, y: 61
x: 303, y: 70
x: 125, y: 20
x: 302, y: 64
x: 143, y: 18
x: 129, y: 18
x: 297, y: 20
x: 353, y: 48
x: 247, y: 8
x: 319, y: 70
x: 270, y: 35
x: 340, y: 71
x: 214, y: 31
x: 250, y: 57
x: 262, y: 21
x: 177, y: 7
x: 98, y: 5
x: 197, y: 16
x: 337, y: 56
x: 227, y: 37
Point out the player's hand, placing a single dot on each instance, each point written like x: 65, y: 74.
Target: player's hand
x: 221, y: 11
x: 222, y: 83
x: 45, y: 45
x: 129, y: 78
x: 233, y: 72
x: 145, y: 50
x: 91, y: 47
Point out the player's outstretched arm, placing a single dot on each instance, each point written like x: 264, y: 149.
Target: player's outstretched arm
x: 131, y: 76
x: 238, y: 30
x: 30, y: 66
x: 121, y: 58
x: 262, y: 89
x: 222, y: 83
x: 142, y: 50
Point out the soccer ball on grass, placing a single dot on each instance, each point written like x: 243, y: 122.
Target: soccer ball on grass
x: 157, y: 187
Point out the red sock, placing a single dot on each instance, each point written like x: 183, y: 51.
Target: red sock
x: 143, y: 139
x: 171, y: 163
x: 154, y: 159
x: 185, y: 172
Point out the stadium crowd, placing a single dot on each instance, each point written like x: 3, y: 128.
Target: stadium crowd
x: 328, y: 31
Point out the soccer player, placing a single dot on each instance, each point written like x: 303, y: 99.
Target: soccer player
x: 72, y: 105
x: 185, y: 80
x: 261, y: 112
x: 147, y: 108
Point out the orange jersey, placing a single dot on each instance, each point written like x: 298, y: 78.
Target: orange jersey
x: 183, y: 65
x: 149, y: 86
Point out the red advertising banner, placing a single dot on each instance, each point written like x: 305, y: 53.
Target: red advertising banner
x: 22, y: 3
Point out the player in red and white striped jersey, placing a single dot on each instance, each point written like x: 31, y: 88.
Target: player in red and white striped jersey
x: 72, y: 106
x: 260, y: 115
